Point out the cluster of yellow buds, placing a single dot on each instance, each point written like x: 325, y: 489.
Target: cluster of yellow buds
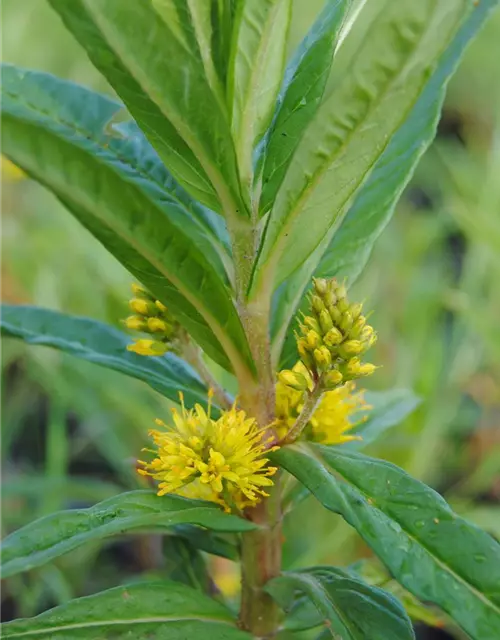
x: 152, y: 317
x: 332, y: 339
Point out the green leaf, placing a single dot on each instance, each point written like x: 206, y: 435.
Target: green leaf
x: 347, y: 253
x: 352, y: 128
x: 347, y: 605
x: 57, y: 132
x: 182, y: 562
x: 162, y: 134
x: 48, y: 538
x: 388, y: 409
x: 207, y: 541
x: 162, y: 610
x: 153, y: 49
x: 104, y: 345
x: 300, y: 97
x: 433, y: 553
x: 255, y: 73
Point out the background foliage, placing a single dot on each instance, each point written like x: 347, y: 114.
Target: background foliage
x: 71, y: 430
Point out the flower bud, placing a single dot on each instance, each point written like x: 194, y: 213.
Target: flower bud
x: 305, y: 356
x: 366, y: 369
x: 320, y: 285
x: 346, y: 322
x: 157, y: 325
x: 293, y: 379
x: 135, y: 323
x: 332, y: 379
x: 317, y: 304
x: 355, y: 310
x: 358, y: 326
x: 142, y: 307
x: 333, y: 338
x: 341, y: 291
x: 325, y: 321
x: 335, y: 314
x: 145, y: 347
x: 312, y: 323
x: 323, y: 358
x: 330, y: 298
x: 161, y: 307
x: 352, y: 347
x: 313, y: 339
x: 140, y: 292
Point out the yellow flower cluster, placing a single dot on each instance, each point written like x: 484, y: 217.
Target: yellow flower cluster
x: 151, y: 317
x: 331, y: 422
x: 217, y: 460
x: 332, y: 339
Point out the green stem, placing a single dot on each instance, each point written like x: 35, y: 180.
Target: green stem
x: 306, y: 414
x: 261, y: 561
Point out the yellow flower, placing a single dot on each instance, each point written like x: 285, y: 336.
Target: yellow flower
x: 217, y: 460
x: 331, y: 422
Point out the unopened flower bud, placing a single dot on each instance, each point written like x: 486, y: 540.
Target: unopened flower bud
x: 352, y: 347
x: 305, y: 356
x: 366, y: 369
x: 142, y: 307
x: 135, y: 323
x: 157, y: 325
x: 335, y: 314
x: 313, y: 339
x: 333, y: 337
x: 346, y: 322
x: 293, y: 379
x: 353, y: 366
x: 325, y: 321
x: 323, y: 358
x: 161, y: 307
x: 140, y: 292
x: 341, y: 291
x: 355, y: 310
x: 317, y: 304
x: 145, y: 347
x: 357, y: 327
x: 312, y: 323
x: 330, y: 298
x: 321, y: 286
x: 332, y: 379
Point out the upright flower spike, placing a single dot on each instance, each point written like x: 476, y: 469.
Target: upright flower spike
x: 151, y: 317
x: 333, y: 338
x: 217, y: 460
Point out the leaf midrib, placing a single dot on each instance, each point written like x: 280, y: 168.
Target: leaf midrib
x: 441, y: 563
x: 149, y: 620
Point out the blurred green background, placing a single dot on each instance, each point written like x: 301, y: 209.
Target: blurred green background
x: 71, y: 431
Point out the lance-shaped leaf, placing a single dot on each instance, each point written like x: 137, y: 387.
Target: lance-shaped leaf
x: 348, y: 606
x: 43, y: 540
x: 436, y: 555
x: 346, y: 254
x: 104, y: 345
x: 142, y: 611
x: 352, y: 128
x: 300, y: 96
x: 162, y: 134
x: 158, y: 47
x: 57, y: 132
x: 255, y: 73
